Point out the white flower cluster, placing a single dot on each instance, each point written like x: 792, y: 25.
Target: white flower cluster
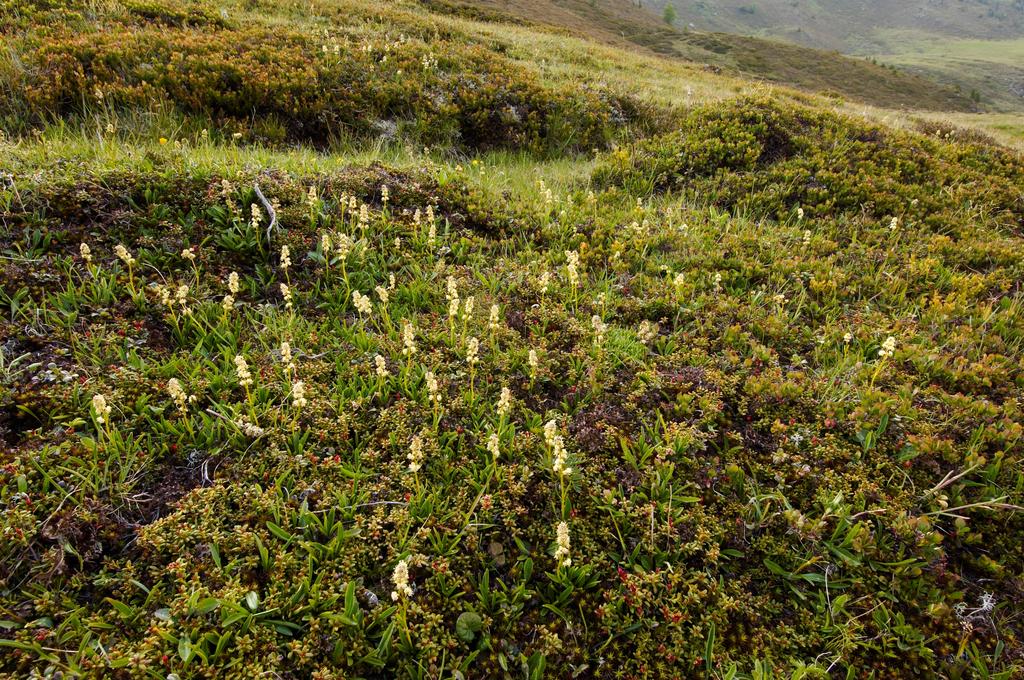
x: 299, y: 394
x: 888, y: 348
x: 286, y: 293
x: 572, y: 267
x: 433, y: 391
x: 408, y: 339
x: 100, y: 408
x: 505, y: 402
x: 452, y: 296
x: 242, y: 369
x: 647, y: 332
x: 400, y: 577
x: 344, y: 245
x: 249, y: 428
x: 562, y: 545
x: 600, y: 329
x: 123, y: 255
x: 181, y: 398
x: 557, y: 445
x: 362, y: 303
x: 415, y: 454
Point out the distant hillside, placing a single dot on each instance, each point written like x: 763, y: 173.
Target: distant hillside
x: 849, y: 25
x: 972, y: 45
x: 622, y: 23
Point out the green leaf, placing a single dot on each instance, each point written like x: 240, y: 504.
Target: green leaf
x: 279, y: 532
x: 527, y: 570
x: 776, y: 569
x: 709, y: 647
x: 215, y: 554
x: 185, y: 648
x: 468, y: 625
x: 124, y: 611
x: 207, y: 605
x: 561, y: 614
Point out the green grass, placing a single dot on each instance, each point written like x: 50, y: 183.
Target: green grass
x: 824, y: 72
x: 735, y: 394
x: 930, y: 48
x: 814, y: 70
x: 990, y: 68
x: 839, y: 25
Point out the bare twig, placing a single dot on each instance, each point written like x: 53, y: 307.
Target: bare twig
x: 993, y: 504
x: 873, y: 511
x: 269, y: 208
x: 364, y: 505
x: 949, y: 479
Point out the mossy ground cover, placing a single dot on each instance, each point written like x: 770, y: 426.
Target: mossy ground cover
x: 738, y: 395
x: 578, y: 427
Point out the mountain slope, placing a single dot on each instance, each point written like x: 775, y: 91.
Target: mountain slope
x: 965, y: 44
x: 851, y: 25
x: 620, y: 23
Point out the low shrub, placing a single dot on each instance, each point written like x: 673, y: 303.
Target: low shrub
x: 432, y: 90
x: 772, y: 158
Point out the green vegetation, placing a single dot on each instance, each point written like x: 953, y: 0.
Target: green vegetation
x: 298, y: 86
x: 770, y: 160
x: 824, y: 72
x: 837, y: 24
x: 621, y: 23
x: 973, y: 46
x: 990, y: 69
x: 647, y: 375
x: 669, y: 14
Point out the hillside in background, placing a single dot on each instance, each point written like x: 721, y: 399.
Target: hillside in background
x: 974, y: 45
x: 850, y: 25
x: 944, y: 55
x: 824, y: 71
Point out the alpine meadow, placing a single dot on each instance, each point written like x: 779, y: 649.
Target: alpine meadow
x: 518, y: 339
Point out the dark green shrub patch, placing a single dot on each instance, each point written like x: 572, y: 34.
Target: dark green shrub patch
x: 773, y: 159
x: 276, y: 84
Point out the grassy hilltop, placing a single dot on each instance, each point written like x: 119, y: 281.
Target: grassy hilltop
x: 369, y: 340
